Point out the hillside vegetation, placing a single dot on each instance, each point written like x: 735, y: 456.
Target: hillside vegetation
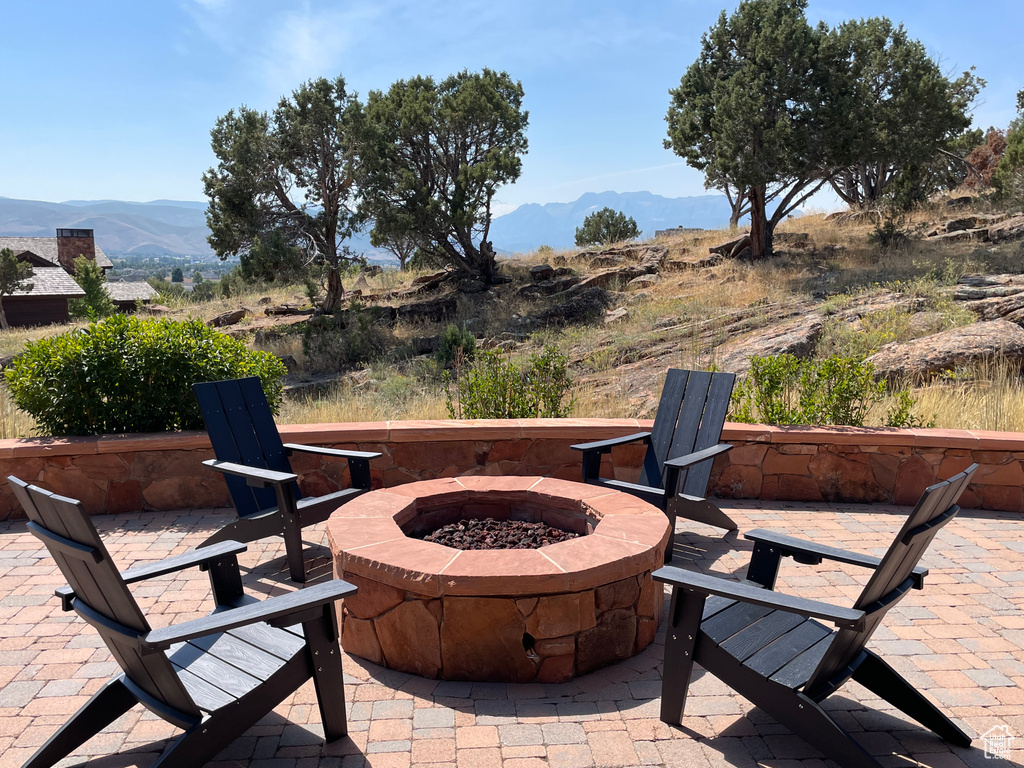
x: 831, y: 289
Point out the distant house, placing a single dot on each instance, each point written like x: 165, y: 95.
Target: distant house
x: 52, y: 260
x: 127, y: 295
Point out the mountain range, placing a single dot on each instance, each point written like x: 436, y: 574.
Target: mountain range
x: 175, y: 227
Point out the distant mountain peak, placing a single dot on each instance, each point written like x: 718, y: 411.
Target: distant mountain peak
x: 531, y: 225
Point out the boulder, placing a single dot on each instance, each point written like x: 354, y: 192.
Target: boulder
x: 433, y: 311
x: 1011, y: 229
x: 965, y: 222
x: 471, y: 285
x: 288, y: 309
x: 644, y: 281
x: 228, y: 318
x: 693, y: 262
x: 922, y: 357
x: 960, y: 202
x: 542, y: 272
x: 156, y: 309
x: 548, y: 287
x: 616, y: 314
x: 424, y: 279
x: 796, y: 337
x: 587, y: 304
x: 731, y: 247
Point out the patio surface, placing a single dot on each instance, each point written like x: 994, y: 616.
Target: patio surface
x: 961, y: 640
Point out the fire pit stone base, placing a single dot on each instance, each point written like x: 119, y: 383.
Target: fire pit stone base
x: 542, y: 615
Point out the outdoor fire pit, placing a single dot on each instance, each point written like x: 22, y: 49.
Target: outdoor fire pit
x: 511, y: 615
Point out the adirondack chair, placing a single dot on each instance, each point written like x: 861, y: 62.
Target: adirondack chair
x: 768, y: 647
x: 215, y: 676
x: 680, y: 449
x: 255, y: 465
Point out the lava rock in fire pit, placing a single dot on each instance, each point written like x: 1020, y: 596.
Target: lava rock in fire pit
x: 490, y: 533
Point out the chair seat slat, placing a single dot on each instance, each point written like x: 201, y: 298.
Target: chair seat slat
x: 760, y: 633
x: 787, y: 647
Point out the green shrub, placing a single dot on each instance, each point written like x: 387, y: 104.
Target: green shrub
x: 331, y: 343
x: 455, y: 343
x: 837, y: 390
x: 498, y: 388
x: 130, y: 374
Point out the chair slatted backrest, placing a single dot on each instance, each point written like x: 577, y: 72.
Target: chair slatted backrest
x: 101, y: 596
x: 242, y: 430
x: 690, y: 418
x: 892, y: 579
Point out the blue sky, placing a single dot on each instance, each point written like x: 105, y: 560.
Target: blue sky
x: 115, y: 99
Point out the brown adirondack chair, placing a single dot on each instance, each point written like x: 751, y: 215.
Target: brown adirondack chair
x: 681, y: 448
x: 254, y: 461
x: 214, y: 677
x: 768, y: 647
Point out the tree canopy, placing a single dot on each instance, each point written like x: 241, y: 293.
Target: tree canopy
x: 764, y: 109
x: 905, y: 109
x: 1009, y: 174
x: 14, y: 275
x: 432, y: 158
x: 606, y: 226
x: 282, y: 194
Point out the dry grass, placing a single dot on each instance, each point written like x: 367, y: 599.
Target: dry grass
x: 989, y: 397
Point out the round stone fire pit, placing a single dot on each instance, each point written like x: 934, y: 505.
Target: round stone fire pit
x: 509, y: 615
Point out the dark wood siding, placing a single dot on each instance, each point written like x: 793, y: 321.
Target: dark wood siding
x: 42, y: 310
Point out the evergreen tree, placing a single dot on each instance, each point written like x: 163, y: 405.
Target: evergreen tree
x: 606, y: 226
x: 96, y: 303
x: 282, y: 193
x: 433, y: 156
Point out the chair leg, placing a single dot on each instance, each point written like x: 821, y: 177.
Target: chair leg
x: 328, y: 679
x: 703, y: 511
x: 670, y: 512
x: 878, y: 677
x: 681, y: 631
x: 293, y: 549
x: 797, y: 712
x: 106, y: 705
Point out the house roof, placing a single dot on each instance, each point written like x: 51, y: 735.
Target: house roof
x: 45, y: 248
x: 124, y: 291
x: 52, y: 281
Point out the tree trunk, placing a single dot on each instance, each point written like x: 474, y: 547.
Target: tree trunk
x: 335, y: 290
x: 3, y: 316
x: 487, y: 264
x: 760, y: 243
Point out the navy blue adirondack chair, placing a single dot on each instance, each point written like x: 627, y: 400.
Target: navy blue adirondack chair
x: 254, y: 461
x: 770, y: 647
x: 215, y: 676
x: 681, y: 448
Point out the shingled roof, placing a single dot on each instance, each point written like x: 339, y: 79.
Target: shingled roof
x: 123, y: 291
x: 52, y: 281
x: 45, y: 248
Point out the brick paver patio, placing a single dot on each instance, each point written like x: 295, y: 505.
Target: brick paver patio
x: 961, y: 640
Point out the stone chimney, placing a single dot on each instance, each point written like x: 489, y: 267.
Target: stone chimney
x: 72, y: 243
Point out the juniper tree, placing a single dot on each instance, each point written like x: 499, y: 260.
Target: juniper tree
x: 282, y: 195
x: 432, y: 158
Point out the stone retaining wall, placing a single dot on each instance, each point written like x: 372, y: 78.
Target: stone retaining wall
x: 127, y: 473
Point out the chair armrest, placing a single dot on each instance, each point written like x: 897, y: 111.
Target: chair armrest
x: 259, y: 478
x: 812, y: 553
x: 336, y: 452
x: 698, y: 456
x: 200, y: 557
x: 716, y: 585
x: 606, y: 445
x: 272, y: 610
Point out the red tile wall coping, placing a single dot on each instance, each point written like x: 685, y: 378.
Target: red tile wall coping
x: 128, y: 473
